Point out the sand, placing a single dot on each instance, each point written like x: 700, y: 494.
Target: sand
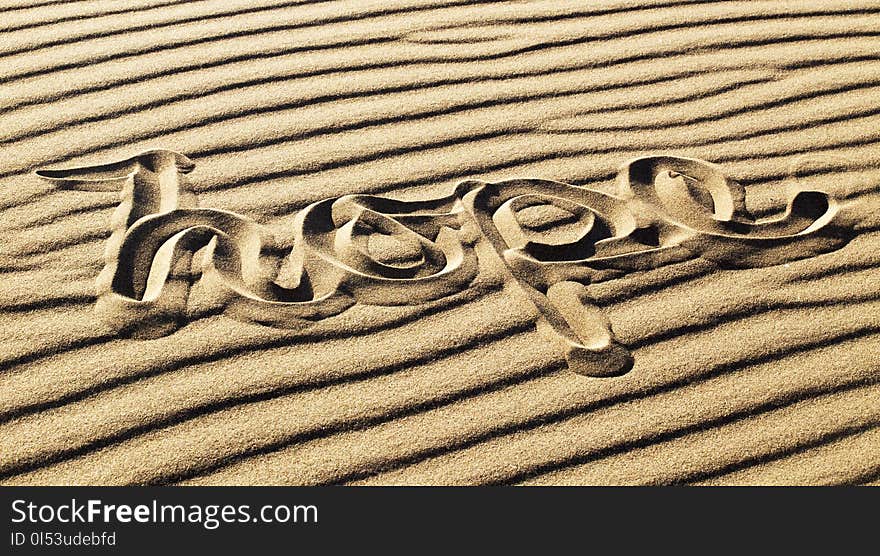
x: 439, y: 242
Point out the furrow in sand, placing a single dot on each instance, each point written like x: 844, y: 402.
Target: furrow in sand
x: 755, y: 443
x: 734, y: 295
x: 89, y: 145
x: 137, y: 19
x: 194, y: 25
x: 95, y: 232
x: 716, y: 316
x: 842, y: 267
x: 278, y: 97
x: 709, y: 320
x: 13, y: 6
x: 690, y: 331
x: 83, y: 259
x: 32, y: 16
x: 45, y: 380
x: 27, y: 218
x: 870, y: 477
x: 14, y: 199
x: 136, y: 27
x: 777, y: 111
x: 24, y: 22
x: 91, y: 441
x: 676, y: 95
x: 857, y: 258
x: 45, y: 286
x: 47, y: 304
x: 256, y: 69
x: 815, y: 458
x: 192, y: 92
x: 18, y: 268
x: 520, y: 452
x: 319, y: 390
x: 53, y: 347
x: 717, y: 105
x: 816, y: 112
x: 440, y: 431
x: 385, y: 54
x: 458, y: 157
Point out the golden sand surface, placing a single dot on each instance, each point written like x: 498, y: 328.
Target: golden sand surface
x: 439, y: 242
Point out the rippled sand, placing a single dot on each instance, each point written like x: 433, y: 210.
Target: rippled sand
x: 756, y: 375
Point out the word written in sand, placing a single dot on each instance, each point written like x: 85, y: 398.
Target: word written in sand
x: 551, y: 239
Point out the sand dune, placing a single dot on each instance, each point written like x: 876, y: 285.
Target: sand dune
x: 439, y: 242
